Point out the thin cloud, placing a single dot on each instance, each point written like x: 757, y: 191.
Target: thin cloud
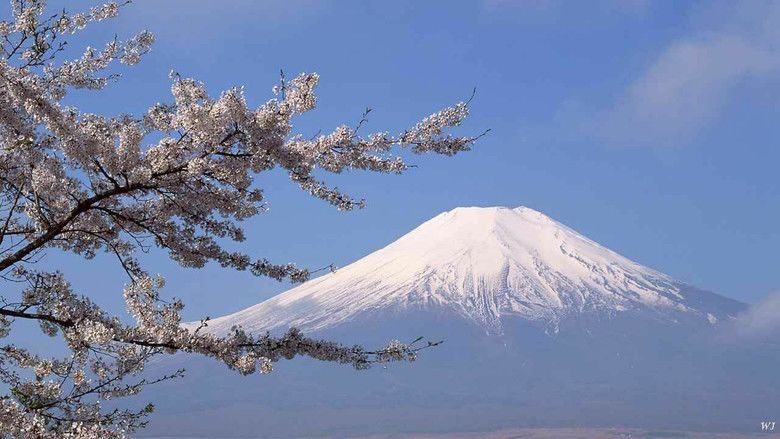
x: 761, y: 319
x: 631, y: 7
x: 180, y: 20
x: 688, y: 84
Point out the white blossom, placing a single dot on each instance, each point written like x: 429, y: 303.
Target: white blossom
x: 102, y: 12
x: 181, y: 177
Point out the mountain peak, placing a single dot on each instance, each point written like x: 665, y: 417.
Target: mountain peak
x: 476, y: 218
x: 483, y: 264
x: 493, y: 213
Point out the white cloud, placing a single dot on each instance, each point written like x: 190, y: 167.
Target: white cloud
x: 688, y: 84
x: 761, y: 319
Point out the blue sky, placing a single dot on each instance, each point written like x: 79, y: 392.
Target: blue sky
x: 651, y: 127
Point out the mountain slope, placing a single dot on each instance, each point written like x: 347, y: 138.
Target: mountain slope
x: 484, y: 264
x: 542, y: 327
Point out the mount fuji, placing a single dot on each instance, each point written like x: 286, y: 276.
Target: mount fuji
x: 543, y: 327
x: 484, y: 264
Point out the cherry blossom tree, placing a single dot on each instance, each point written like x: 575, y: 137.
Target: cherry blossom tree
x: 180, y: 177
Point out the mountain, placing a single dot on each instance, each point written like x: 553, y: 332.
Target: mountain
x: 543, y: 327
x: 484, y: 264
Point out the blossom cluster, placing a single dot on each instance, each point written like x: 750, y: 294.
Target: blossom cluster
x: 181, y: 177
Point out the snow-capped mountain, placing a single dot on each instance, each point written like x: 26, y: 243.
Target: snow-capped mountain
x: 484, y: 264
x: 542, y: 327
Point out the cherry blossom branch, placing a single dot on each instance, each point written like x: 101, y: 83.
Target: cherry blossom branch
x: 182, y: 177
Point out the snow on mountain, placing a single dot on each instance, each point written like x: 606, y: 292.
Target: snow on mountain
x: 482, y: 264
x: 542, y: 327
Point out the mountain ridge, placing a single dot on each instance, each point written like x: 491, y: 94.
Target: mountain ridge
x: 483, y: 264
x: 601, y: 341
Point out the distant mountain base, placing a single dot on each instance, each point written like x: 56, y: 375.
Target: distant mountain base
x: 555, y: 433
x: 629, y: 370
x: 542, y: 327
x: 576, y: 433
